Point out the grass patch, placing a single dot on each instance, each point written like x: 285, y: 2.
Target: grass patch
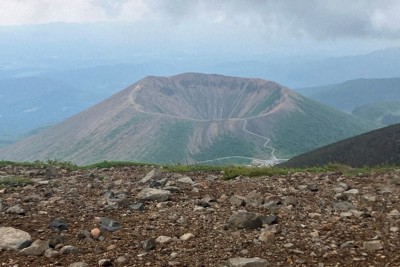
x: 229, y: 172
x: 14, y: 181
x: 40, y: 164
x: 109, y: 164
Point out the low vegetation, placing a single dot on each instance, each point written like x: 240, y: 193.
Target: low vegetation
x: 14, y: 181
x: 229, y: 172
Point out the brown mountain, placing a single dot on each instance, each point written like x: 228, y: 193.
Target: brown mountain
x: 192, y: 118
x: 377, y: 147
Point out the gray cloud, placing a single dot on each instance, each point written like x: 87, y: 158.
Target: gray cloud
x: 318, y: 19
x: 328, y: 19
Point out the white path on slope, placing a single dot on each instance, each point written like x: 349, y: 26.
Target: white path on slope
x: 267, y: 162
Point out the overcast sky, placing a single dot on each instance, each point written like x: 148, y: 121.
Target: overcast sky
x: 338, y: 26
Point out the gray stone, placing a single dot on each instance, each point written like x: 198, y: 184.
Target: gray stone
x: 152, y: 175
x: 13, y: 239
x: 137, y: 206
x: 58, y: 225
x: 291, y: 201
x: 351, y: 192
x: 152, y: 194
x: 267, y: 236
x: 79, y: 264
x: 185, y: 180
x: 343, y: 206
x: 107, y: 224
x: 37, y: 248
x: 149, y: 244
x: 105, y: 262
x: 245, y: 220
x: 162, y: 239
x: 312, y: 187
x: 348, y: 244
x: 254, y: 199
x: 55, y: 240
x: 69, y: 250
x: 247, y: 262
x: 82, y: 234
x: 237, y: 200
x: 270, y: 219
x: 51, y: 253
x: 16, y: 209
x: 394, y: 214
x: 1, y: 205
x: 373, y: 245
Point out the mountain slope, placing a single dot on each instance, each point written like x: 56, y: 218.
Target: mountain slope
x: 377, y: 147
x: 355, y: 93
x: 192, y: 118
x: 385, y: 112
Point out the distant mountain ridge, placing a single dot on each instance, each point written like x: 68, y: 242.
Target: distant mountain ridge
x: 355, y: 93
x: 192, y: 117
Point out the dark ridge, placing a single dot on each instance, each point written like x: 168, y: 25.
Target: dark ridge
x: 378, y: 147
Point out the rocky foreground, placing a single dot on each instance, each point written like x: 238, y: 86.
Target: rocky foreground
x: 137, y: 216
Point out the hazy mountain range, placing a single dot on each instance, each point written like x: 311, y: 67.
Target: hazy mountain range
x: 192, y: 118
x: 372, y: 99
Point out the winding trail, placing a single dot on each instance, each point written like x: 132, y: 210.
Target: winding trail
x: 264, y: 162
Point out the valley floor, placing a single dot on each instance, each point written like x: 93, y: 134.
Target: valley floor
x: 301, y: 219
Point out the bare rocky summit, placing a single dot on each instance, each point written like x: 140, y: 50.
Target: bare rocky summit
x: 99, y: 217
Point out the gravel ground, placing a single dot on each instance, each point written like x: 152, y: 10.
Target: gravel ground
x: 308, y: 219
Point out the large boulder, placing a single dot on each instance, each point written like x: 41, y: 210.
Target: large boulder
x: 14, y: 239
x: 245, y: 220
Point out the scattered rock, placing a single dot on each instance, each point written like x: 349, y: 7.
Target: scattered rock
x: 185, y: 180
x: 373, y: 245
x: 95, y: 232
x: 107, y: 224
x: 247, y: 262
x: 16, y: 209
x: 291, y: 201
x: 237, y: 200
x: 51, y: 253
x: 254, y: 199
x: 79, y: 264
x: 83, y: 234
x: 246, y: 220
x: 352, y: 192
x: 13, y: 239
x: 186, y: 236
x: 163, y: 239
x: 55, y: 240
x: 137, y: 206
x: 152, y: 194
x: 105, y: 262
x: 58, y: 225
x: 347, y: 244
x: 37, y: 248
x: 343, y: 206
x: 65, y: 250
x: 269, y: 219
x: 267, y: 236
x: 149, y: 244
x: 152, y: 175
x: 394, y: 214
